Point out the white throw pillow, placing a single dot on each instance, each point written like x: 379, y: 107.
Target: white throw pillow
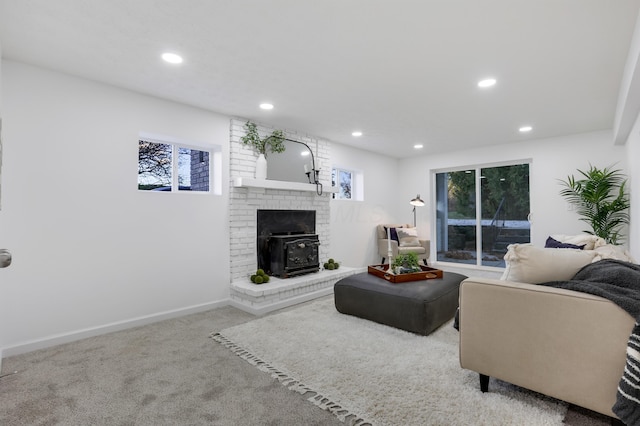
x: 609, y: 251
x: 590, y: 242
x: 408, y: 237
x: 534, y: 265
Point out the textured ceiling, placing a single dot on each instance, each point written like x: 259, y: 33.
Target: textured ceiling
x: 403, y: 72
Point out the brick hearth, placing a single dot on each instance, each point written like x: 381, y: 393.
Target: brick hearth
x: 280, y: 293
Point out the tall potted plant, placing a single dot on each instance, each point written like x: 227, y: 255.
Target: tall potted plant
x: 272, y: 143
x: 600, y: 198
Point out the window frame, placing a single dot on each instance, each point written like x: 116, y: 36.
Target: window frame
x: 477, y: 168
x: 357, y: 184
x: 214, y: 158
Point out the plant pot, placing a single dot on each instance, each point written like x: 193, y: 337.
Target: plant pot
x: 261, y: 167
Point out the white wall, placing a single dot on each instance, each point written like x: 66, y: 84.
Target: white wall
x: 3, y: 299
x: 89, y: 250
x: 551, y: 159
x: 633, y: 155
x: 628, y: 105
x: 353, y: 223
x: 626, y: 128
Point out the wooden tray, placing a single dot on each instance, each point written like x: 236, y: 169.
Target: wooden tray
x: 427, y: 273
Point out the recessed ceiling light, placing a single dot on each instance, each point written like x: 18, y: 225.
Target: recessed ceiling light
x: 172, y: 58
x: 356, y: 133
x: 487, y: 82
x: 418, y: 146
x: 266, y: 106
x: 525, y: 129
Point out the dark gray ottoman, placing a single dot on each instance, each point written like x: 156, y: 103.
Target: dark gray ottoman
x: 416, y: 306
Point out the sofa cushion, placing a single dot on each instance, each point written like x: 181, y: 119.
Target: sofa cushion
x: 553, y: 243
x: 417, y: 250
x: 408, y: 237
x: 534, y: 265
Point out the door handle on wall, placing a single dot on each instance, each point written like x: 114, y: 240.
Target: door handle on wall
x: 5, y: 258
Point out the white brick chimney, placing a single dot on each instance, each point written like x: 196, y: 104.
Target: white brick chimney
x: 245, y: 201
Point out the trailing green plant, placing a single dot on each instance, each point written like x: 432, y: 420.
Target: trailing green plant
x: 272, y: 143
x: 600, y: 198
x: 405, y: 263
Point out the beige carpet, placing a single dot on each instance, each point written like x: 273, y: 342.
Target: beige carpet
x: 367, y: 373
x: 168, y: 373
x: 164, y: 374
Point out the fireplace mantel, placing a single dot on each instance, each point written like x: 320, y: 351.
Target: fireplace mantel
x: 244, y: 182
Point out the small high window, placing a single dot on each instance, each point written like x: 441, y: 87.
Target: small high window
x: 349, y: 184
x: 343, y: 179
x: 172, y: 168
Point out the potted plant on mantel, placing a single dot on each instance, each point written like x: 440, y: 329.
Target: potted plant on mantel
x: 272, y: 143
x: 601, y: 200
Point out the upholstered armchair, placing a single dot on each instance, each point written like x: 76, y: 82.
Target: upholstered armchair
x: 404, y: 239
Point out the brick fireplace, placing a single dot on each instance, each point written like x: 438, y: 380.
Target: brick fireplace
x: 244, y: 202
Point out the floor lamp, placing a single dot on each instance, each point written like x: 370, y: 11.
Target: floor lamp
x: 416, y: 202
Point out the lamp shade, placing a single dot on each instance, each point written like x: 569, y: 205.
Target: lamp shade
x: 417, y: 201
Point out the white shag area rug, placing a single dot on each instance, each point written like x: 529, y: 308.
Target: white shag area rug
x: 368, y: 373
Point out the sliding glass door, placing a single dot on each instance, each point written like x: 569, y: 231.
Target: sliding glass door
x: 480, y: 211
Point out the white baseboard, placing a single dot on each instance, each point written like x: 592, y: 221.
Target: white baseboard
x: 59, y: 339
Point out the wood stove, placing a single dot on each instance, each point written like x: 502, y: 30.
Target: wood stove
x: 294, y: 254
x: 287, y: 244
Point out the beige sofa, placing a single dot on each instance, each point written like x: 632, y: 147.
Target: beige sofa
x: 409, y: 245
x: 562, y: 343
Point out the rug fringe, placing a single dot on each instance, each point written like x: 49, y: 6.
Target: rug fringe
x: 291, y: 383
